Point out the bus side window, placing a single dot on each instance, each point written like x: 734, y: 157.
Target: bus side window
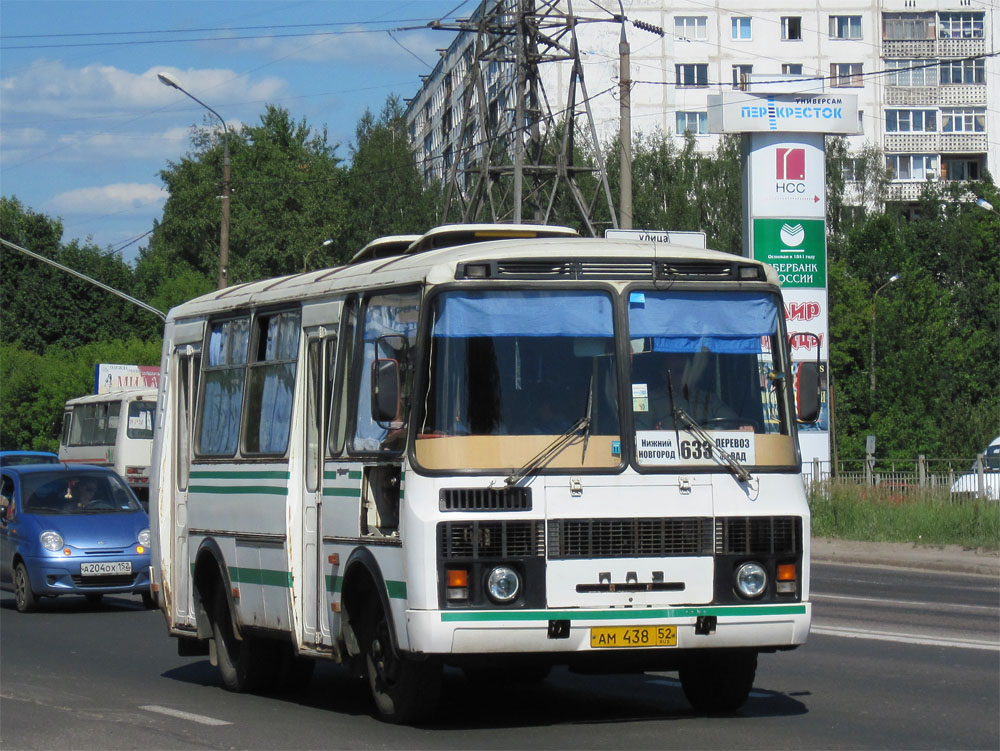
x: 339, y: 403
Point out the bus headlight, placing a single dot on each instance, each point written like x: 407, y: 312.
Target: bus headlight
x: 503, y: 585
x: 751, y: 580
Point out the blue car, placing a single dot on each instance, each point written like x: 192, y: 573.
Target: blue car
x: 71, y: 530
x: 9, y: 458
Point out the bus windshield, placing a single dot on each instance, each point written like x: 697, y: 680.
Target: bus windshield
x: 711, y: 358
x: 512, y: 369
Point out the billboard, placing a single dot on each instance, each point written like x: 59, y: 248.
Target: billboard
x: 109, y: 378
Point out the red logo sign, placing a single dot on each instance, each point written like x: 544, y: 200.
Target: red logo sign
x: 790, y: 164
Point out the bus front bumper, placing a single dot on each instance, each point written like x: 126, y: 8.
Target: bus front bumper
x: 467, y: 632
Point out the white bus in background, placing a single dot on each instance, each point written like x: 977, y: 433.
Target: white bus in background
x: 112, y: 430
x: 498, y: 448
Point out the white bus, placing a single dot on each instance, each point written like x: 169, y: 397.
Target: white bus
x: 112, y: 430
x: 495, y: 451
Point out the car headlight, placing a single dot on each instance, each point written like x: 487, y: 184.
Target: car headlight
x: 145, y: 538
x: 503, y: 584
x: 751, y: 580
x: 51, y: 540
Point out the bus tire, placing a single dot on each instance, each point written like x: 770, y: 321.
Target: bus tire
x: 24, y: 595
x: 718, y: 681
x: 404, y: 690
x: 246, y: 665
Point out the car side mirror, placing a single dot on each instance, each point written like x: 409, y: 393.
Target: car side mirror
x: 386, y: 405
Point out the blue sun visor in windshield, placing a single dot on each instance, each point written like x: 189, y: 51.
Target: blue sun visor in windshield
x: 522, y: 313
x: 730, y: 322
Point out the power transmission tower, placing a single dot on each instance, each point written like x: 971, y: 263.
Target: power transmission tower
x: 511, y: 158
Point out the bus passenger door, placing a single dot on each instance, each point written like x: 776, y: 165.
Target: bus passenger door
x: 187, y: 360
x: 321, y: 349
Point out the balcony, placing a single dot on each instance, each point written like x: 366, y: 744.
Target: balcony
x: 952, y: 95
x: 932, y: 48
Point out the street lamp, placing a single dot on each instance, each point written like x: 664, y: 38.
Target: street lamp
x: 984, y: 204
x: 167, y: 80
x: 871, y: 362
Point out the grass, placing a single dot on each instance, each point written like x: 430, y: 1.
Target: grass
x: 884, y: 515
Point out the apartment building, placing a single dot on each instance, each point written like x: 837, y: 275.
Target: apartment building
x: 926, y: 73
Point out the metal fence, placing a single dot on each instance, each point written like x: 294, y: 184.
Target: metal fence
x: 914, y: 477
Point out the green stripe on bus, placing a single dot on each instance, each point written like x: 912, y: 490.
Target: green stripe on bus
x: 261, y: 576
x: 239, y: 489
x: 346, y: 492
x: 621, y: 615
x: 395, y: 589
x: 242, y: 475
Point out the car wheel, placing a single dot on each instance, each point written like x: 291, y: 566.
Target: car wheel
x: 247, y: 664
x: 718, y: 681
x: 404, y: 690
x: 24, y: 597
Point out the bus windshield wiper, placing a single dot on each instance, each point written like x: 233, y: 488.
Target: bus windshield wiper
x: 735, y: 467
x: 550, y: 452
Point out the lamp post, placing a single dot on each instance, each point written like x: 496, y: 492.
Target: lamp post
x: 167, y: 80
x: 984, y: 204
x: 625, y: 123
x: 871, y: 362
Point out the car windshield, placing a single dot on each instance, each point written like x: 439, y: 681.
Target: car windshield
x: 511, y: 370
x: 66, y: 493
x: 10, y: 460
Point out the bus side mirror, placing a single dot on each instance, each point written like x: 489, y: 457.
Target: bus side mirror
x: 807, y: 392
x: 385, y: 393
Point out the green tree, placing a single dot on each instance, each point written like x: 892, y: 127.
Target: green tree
x: 385, y: 194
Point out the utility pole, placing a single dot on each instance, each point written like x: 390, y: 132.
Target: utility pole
x: 625, y: 120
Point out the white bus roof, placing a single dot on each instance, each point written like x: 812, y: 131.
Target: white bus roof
x: 138, y: 395
x: 440, y: 265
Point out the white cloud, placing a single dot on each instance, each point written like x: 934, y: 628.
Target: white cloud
x: 119, y: 198
x: 48, y: 89
x: 359, y: 46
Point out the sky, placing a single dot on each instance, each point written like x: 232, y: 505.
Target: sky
x: 86, y: 127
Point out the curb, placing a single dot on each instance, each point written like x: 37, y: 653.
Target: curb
x: 937, y: 558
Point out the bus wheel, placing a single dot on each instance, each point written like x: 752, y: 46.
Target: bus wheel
x: 404, y: 690
x: 718, y: 681
x: 246, y: 665
x: 24, y: 596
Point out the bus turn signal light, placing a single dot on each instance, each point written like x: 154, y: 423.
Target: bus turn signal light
x: 458, y: 584
x: 787, y: 576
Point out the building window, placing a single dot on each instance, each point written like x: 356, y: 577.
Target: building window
x: 911, y: 121
x: 845, y: 27
x: 691, y: 27
x: 907, y: 26
x: 960, y: 168
x: 961, y: 26
x: 791, y: 27
x: 845, y: 75
x: 851, y: 168
x: 963, y: 120
x: 690, y: 75
x: 741, y: 75
x: 741, y: 27
x: 963, y: 71
x: 912, y: 72
x: 692, y: 122
x: 791, y: 69
x: 913, y: 167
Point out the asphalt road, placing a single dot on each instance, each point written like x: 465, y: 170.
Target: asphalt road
x: 898, y: 659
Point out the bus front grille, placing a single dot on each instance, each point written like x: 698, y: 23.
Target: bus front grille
x: 629, y: 538
x: 494, y: 539
x: 485, y: 499
x: 758, y: 535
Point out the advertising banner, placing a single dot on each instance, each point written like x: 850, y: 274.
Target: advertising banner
x: 787, y: 176
x: 748, y: 112
x: 109, y: 378
x: 795, y: 247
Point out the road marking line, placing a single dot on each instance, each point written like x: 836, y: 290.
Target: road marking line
x: 884, y: 601
x: 851, y: 633
x: 199, y: 718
